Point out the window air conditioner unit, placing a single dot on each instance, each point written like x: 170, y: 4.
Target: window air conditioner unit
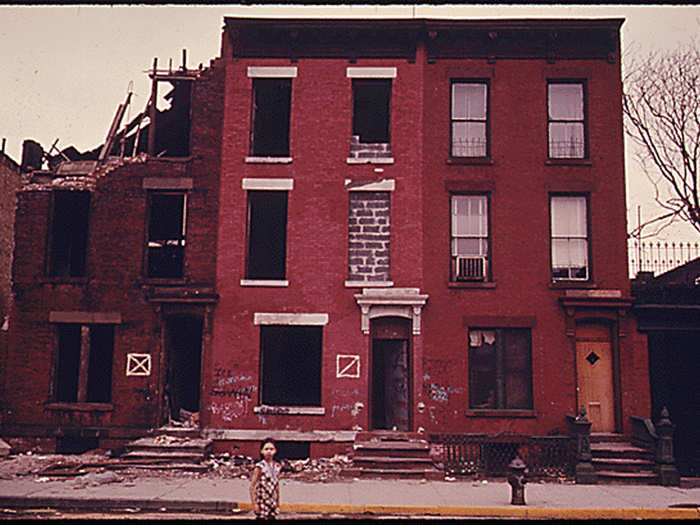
x: 470, y: 268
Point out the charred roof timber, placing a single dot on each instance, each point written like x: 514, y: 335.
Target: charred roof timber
x: 444, y: 39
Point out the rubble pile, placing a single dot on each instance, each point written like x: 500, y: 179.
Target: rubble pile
x: 321, y: 469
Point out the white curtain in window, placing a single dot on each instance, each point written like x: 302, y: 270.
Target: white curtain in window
x: 569, y: 217
x: 469, y: 101
x: 565, y: 101
x: 469, y: 225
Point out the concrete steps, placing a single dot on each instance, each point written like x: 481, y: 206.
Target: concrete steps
x: 617, y: 461
x: 392, y: 455
x: 182, y: 451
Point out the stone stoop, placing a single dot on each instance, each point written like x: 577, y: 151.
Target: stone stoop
x: 392, y: 455
x: 173, y: 449
x: 617, y: 461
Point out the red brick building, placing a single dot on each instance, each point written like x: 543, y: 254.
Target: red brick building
x: 416, y: 224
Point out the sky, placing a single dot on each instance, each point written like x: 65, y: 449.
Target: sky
x: 67, y: 68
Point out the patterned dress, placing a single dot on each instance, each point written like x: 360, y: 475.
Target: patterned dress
x: 267, y: 489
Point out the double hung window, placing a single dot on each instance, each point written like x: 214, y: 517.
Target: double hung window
x: 569, y: 230
x: 470, y: 237
x: 566, y: 124
x: 469, y: 118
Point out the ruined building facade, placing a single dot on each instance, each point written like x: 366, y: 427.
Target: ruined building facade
x: 410, y: 224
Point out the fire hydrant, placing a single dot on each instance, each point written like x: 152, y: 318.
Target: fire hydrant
x: 516, y: 479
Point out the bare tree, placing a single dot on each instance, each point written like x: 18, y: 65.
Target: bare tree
x: 662, y: 115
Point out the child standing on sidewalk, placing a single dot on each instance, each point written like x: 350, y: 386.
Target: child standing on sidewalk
x: 264, y: 485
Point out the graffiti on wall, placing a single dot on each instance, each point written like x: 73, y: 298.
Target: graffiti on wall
x: 347, y: 366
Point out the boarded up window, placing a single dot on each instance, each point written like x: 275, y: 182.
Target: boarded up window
x: 271, y: 112
x: 84, y: 363
x: 69, y: 228
x: 267, y: 235
x: 166, y: 234
x: 500, y: 370
x: 291, y: 365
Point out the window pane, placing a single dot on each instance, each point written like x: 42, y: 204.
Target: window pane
x: 482, y: 369
x: 469, y: 246
x: 566, y: 101
x: 469, y: 215
x: 566, y: 140
x: 570, y: 258
x: 469, y: 101
x: 469, y: 139
x: 517, y: 369
x: 569, y: 217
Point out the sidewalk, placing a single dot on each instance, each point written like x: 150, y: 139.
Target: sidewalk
x: 356, y: 497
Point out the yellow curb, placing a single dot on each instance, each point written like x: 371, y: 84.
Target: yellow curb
x: 514, y: 511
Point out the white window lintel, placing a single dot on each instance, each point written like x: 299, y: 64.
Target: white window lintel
x: 268, y: 184
x: 272, y: 72
x: 290, y: 319
x: 371, y: 72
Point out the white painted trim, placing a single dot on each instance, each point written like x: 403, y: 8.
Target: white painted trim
x: 272, y: 72
x: 268, y: 184
x: 382, y: 185
x: 290, y: 319
x: 366, y: 284
x: 371, y: 72
x: 262, y: 282
x: 268, y: 160
x: 289, y: 411
x: 377, y: 160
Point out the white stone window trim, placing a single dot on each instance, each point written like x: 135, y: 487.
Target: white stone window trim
x: 272, y: 72
x: 264, y: 282
x: 371, y: 72
x: 289, y: 410
x: 382, y: 185
x: 268, y: 160
x: 378, y: 160
x: 268, y: 184
x: 290, y: 319
x: 369, y: 284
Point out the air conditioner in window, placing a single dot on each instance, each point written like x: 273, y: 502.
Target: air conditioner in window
x: 470, y: 268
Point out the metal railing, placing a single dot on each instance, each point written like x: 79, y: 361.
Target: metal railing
x: 659, y: 256
x: 490, y: 455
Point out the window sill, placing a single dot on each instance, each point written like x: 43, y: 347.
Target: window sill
x: 373, y: 160
x: 568, y: 162
x: 268, y: 160
x: 474, y: 161
x: 490, y: 412
x: 289, y: 411
x: 81, y: 407
x: 63, y: 280
x: 264, y: 282
x: 165, y: 281
x: 455, y: 284
x: 369, y: 284
x: 563, y: 284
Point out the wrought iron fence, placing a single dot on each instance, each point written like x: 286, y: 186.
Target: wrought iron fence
x: 490, y: 455
x: 659, y: 256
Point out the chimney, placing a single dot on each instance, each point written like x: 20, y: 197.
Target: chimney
x: 32, y: 156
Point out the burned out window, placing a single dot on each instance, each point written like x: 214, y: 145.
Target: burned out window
x: 166, y: 234
x: 69, y: 232
x: 500, y: 369
x: 267, y: 235
x: 290, y: 365
x: 84, y: 363
x: 371, y: 110
x: 271, y: 114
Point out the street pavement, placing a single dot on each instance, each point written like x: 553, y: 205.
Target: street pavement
x: 367, y: 497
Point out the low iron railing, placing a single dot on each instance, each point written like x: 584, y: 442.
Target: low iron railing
x: 490, y: 455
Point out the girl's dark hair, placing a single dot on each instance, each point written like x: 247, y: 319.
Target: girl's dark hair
x: 268, y: 440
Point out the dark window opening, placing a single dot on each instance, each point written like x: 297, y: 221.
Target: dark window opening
x: 166, y: 235
x: 271, y: 114
x: 84, y: 364
x: 69, y: 231
x: 371, y: 110
x: 293, y: 449
x: 76, y: 445
x: 291, y: 365
x: 566, y: 123
x: 500, y: 370
x: 267, y: 235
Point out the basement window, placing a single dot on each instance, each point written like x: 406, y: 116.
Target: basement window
x: 69, y: 230
x: 166, y: 234
x: 291, y: 365
x: 271, y: 113
x: 84, y: 363
x: 370, y: 123
x: 267, y: 235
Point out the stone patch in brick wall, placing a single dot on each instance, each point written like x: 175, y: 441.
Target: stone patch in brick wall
x: 368, y: 236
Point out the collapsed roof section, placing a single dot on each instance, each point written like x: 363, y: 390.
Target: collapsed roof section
x: 124, y: 144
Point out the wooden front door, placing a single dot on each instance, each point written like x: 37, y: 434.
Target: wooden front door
x: 594, y: 375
